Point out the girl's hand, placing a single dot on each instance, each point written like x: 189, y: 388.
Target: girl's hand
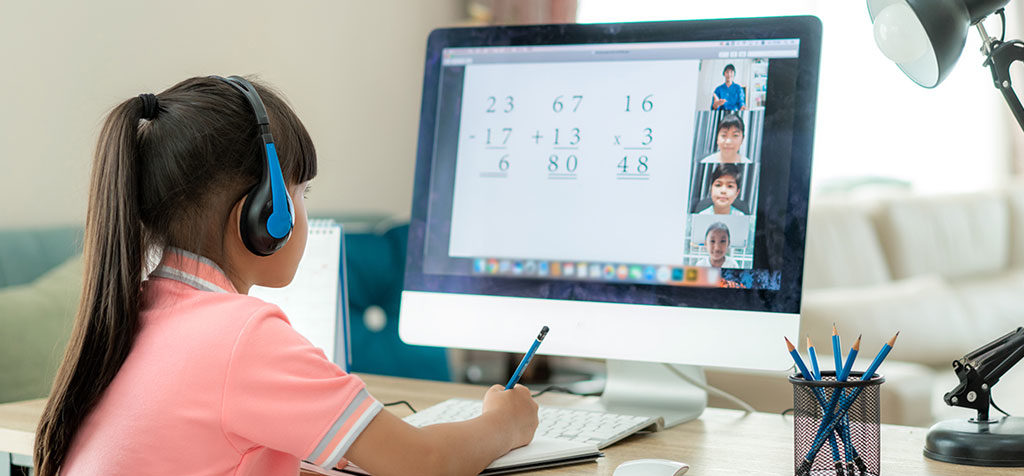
x: 517, y: 411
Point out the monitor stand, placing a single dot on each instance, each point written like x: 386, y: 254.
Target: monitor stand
x: 653, y: 389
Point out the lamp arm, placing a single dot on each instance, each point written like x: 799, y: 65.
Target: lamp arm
x: 1006, y: 364
x: 996, y: 358
x: 1001, y: 56
x: 980, y: 369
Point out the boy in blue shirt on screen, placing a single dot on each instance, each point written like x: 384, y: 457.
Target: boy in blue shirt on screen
x: 728, y: 95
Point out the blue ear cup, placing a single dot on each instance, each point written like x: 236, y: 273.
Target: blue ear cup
x: 267, y: 214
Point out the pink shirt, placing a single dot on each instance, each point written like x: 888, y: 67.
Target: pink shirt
x: 218, y: 383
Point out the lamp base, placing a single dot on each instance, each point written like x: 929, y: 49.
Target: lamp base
x: 997, y: 443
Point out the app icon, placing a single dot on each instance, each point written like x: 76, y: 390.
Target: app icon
x: 649, y: 273
x: 636, y: 273
x: 609, y: 271
x: 492, y: 266
x: 504, y: 266
x: 581, y: 270
x: 595, y: 271
x: 622, y: 272
x: 517, y: 267
x: 691, y: 275
x: 479, y: 265
x: 556, y: 269
x: 714, y: 276
x: 530, y: 267
x: 542, y: 268
x: 677, y: 274
x: 569, y: 270
x: 664, y: 274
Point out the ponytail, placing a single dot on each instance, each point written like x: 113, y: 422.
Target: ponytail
x: 107, y: 317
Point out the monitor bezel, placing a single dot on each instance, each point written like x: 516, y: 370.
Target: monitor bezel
x: 784, y: 303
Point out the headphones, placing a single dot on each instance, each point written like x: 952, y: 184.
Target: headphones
x: 267, y: 214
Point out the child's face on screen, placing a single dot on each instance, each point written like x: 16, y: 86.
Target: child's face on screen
x: 724, y: 191
x: 717, y: 243
x: 729, y: 140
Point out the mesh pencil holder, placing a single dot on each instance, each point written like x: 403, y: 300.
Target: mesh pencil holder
x: 845, y: 441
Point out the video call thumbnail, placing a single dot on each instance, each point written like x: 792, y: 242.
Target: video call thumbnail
x: 726, y: 161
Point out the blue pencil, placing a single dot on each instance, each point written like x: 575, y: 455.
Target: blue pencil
x: 852, y: 458
x: 844, y: 407
x: 837, y: 356
x: 807, y: 375
x: 814, y: 359
x: 818, y: 395
x: 837, y: 350
x: 526, y: 359
x: 849, y: 361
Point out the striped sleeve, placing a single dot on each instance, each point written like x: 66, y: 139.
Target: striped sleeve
x: 344, y: 430
x: 282, y: 393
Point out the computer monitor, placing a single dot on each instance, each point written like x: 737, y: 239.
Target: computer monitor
x: 640, y: 188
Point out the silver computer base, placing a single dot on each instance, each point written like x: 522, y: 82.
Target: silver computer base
x: 653, y: 389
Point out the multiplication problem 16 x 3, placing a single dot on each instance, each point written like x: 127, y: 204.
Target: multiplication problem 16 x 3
x: 558, y: 148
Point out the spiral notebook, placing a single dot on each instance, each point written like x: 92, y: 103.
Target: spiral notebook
x: 316, y: 301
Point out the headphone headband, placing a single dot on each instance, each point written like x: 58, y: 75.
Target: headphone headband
x: 247, y: 89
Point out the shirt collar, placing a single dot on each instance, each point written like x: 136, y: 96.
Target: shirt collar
x: 196, y: 271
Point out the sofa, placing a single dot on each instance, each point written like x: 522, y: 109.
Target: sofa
x: 946, y: 271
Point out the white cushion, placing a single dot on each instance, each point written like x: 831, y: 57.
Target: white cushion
x: 842, y: 248
x: 955, y: 235
x: 1015, y: 195
x: 995, y: 304
x: 907, y: 385
x: 934, y: 327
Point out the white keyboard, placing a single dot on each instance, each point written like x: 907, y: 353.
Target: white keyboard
x: 586, y: 426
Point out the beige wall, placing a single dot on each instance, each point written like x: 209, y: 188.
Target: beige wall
x: 351, y: 69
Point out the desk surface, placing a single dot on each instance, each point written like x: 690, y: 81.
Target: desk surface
x: 721, y: 442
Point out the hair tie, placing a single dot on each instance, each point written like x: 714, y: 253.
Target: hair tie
x: 150, y: 106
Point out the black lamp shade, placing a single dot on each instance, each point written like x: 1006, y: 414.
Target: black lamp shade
x: 945, y: 23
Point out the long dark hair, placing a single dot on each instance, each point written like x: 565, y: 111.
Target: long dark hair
x: 168, y: 181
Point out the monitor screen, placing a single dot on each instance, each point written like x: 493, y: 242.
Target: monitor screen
x: 658, y: 164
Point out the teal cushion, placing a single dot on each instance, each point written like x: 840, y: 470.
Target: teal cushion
x: 376, y: 270
x: 36, y: 319
x: 25, y: 254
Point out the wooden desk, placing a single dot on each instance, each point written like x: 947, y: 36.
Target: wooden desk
x: 721, y: 442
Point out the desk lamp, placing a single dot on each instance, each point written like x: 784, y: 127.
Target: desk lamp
x: 981, y: 441
x: 925, y: 37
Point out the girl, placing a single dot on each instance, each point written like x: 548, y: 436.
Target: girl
x: 716, y: 240
x: 183, y: 373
